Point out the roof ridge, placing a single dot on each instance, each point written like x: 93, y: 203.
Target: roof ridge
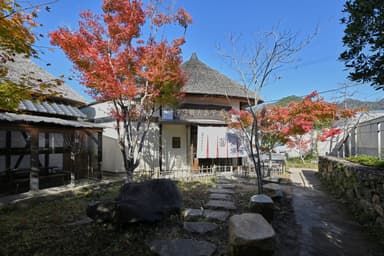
x: 203, y: 79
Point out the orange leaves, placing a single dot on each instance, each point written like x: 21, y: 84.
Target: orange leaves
x: 240, y: 119
x: 183, y: 18
x: 288, y: 125
x: 114, y: 67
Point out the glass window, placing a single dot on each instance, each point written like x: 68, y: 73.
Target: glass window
x: 176, y: 142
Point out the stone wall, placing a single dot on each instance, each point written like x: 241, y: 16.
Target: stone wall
x: 361, y: 187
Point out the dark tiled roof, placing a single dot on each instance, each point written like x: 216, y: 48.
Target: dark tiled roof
x: 202, y: 79
x: 51, y: 108
x: 22, y: 67
x: 23, y: 118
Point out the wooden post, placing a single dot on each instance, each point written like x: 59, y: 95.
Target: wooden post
x: 379, y: 140
x: 99, y: 153
x: 161, y: 147
x: 34, y: 174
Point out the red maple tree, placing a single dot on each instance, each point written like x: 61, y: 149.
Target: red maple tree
x: 122, y: 59
x: 288, y: 124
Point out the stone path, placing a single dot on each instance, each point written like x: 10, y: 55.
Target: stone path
x: 201, y: 221
x: 325, y: 227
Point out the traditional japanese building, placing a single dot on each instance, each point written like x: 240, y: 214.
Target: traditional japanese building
x: 46, y: 143
x: 193, y: 135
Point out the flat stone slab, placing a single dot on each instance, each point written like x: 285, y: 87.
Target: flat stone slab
x: 200, y: 227
x: 192, y: 214
x: 225, y: 186
x: 221, y: 196
x: 272, y: 187
x: 186, y: 247
x: 221, y: 191
x: 272, y: 179
x: 228, y: 205
x: 216, y: 215
x: 250, y: 234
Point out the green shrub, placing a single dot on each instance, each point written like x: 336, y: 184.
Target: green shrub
x: 371, y: 161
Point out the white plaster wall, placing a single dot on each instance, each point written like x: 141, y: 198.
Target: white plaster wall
x: 175, y: 158
x: 112, y: 157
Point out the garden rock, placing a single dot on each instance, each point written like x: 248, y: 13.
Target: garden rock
x: 194, y: 214
x: 200, y: 227
x: 101, y: 211
x: 221, y: 196
x: 221, y: 191
x: 148, y: 201
x: 228, y: 205
x: 250, y: 234
x: 262, y: 204
x: 185, y: 247
x: 225, y: 186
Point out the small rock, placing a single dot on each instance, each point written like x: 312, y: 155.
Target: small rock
x: 200, y: 227
x: 185, y: 247
x: 101, y: 211
x: 375, y: 199
x: 221, y: 196
x: 228, y: 205
x: 192, y: 213
x: 379, y: 210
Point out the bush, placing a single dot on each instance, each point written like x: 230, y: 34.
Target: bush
x: 370, y: 161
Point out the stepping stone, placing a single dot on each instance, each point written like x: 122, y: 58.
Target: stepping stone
x: 225, y: 186
x: 272, y: 179
x: 221, y: 196
x: 190, y: 214
x: 221, y: 191
x: 185, y: 247
x: 216, y: 215
x: 200, y: 227
x: 193, y: 214
x: 250, y: 234
x: 272, y: 187
x: 223, y: 181
x: 228, y: 205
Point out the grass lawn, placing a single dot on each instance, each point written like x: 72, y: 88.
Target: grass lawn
x: 298, y: 163
x: 43, y: 228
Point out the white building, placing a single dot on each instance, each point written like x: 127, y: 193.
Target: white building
x: 193, y: 135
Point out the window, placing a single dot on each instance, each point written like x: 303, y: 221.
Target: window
x: 175, y: 142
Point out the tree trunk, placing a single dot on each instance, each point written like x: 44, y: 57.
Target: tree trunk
x: 256, y: 162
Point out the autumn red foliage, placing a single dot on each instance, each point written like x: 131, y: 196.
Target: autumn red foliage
x: 121, y: 59
x: 287, y: 125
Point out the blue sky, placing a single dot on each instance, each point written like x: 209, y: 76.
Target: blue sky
x: 317, y: 68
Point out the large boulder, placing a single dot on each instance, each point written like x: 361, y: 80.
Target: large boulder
x: 148, y: 201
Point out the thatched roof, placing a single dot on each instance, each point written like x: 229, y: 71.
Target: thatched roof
x: 22, y: 67
x: 202, y: 79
